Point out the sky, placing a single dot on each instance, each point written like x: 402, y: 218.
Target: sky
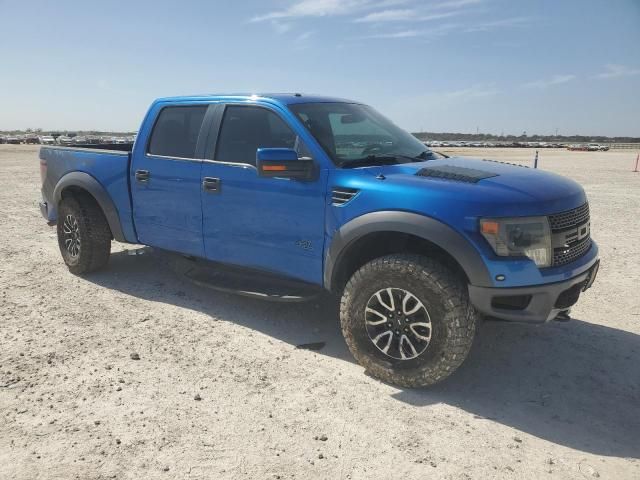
x: 494, y: 66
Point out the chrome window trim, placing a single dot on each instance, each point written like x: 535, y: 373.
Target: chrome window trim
x: 165, y: 157
x: 231, y: 164
x: 206, y: 160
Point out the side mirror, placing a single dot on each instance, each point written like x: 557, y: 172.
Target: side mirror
x: 283, y: 163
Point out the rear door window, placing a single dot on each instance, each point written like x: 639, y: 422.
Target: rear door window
x: 246, y: 129
x: 176, y: 131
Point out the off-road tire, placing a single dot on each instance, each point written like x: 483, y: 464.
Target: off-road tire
x: 93, y: 231
x: 444, y: 295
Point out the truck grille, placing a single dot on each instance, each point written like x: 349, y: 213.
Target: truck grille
x: 569, y: 219
x: 563, y: 256
x: 564, y: 227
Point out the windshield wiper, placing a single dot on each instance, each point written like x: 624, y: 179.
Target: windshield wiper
x: 371, y: 160
x: 425, y: 155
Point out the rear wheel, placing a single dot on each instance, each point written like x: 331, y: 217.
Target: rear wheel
x: 84, y: 236
x: 407, y: 319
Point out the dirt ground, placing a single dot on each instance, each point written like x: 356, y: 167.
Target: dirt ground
x: 221, y: 391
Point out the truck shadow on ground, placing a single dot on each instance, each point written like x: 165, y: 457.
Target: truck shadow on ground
x: 576, y: 384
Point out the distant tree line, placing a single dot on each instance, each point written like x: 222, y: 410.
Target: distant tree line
x: 487, y: 137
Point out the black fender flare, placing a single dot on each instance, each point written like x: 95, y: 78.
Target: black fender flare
x: 427, y: 228
x: 87, y: 182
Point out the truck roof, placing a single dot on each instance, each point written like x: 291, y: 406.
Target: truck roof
x: 283, y: 98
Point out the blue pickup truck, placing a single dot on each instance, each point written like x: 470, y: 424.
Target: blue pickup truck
x: 283, y: 196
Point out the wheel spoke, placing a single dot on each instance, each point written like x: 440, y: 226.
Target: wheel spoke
x: 391, y: 307
x: 381, y: 316
x: 388, y: 333
x: 413, y: 326
x: 405, y: 340
x: 393, y: 302
x: 405, y: 301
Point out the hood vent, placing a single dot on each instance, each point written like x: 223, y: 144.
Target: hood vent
x: 342, y: 195
x: 456, y: 174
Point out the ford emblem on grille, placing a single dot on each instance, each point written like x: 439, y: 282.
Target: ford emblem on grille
x: 583, y: 231
x: 570, y: 234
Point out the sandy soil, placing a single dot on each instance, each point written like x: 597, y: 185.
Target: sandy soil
x: 221, y: 391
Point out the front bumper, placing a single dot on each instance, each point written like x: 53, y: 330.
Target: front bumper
x: 534, y: 304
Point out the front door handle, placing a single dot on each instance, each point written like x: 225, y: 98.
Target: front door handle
x: 211, y: 185
x: 142, y: 176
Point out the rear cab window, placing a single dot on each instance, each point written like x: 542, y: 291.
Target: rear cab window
x: 175, y: 133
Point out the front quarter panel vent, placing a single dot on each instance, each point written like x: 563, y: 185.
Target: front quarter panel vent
x: 342, y: 195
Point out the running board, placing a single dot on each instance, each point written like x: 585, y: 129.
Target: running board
x: 264, y: 287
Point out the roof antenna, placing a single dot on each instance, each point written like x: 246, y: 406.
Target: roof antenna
x: 297, y: 94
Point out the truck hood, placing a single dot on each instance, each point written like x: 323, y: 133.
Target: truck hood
x: 479, y: 187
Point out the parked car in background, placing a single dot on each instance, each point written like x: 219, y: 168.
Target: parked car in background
x: 31, y: 139
x: 64, y: 140
x: 577, y: 147
x: 13, y: 139
x: 593, y: 147
x: 47, y: 140
x: 604, y: 148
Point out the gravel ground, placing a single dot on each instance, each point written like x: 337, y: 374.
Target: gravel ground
x: 221, y: 391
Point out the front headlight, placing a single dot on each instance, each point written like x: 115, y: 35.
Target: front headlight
x: 519, y: 237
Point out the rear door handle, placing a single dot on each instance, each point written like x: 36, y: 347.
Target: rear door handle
x: 211, y: 185
x: 142, y: 176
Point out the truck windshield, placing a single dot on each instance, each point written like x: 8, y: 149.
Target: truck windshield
x: 355, y: 135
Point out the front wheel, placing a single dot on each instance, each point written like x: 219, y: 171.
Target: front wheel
x: 407, y: 319
x: 84, y: 236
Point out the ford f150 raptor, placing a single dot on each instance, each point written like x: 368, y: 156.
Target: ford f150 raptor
x: 306, y: 193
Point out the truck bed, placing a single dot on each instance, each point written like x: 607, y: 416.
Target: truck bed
x: 108, y: 167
